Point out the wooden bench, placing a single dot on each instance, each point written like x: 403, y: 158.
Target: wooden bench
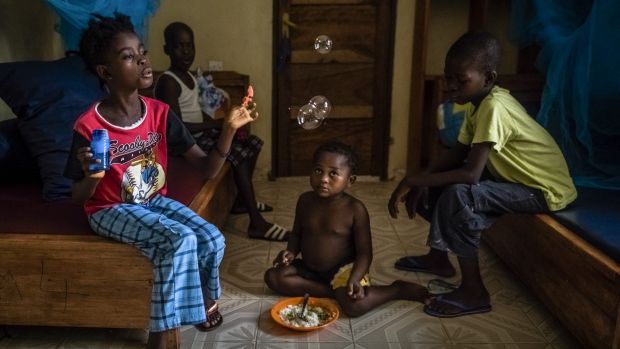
x: 579, y: 283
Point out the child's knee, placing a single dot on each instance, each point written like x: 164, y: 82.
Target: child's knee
x: 351, y: 307
x: 186, y: 240
x: 271, y: 278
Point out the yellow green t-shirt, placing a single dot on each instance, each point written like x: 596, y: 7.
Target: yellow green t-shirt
x: 523, y: 151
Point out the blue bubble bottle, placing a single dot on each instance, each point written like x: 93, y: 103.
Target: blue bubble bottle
x: 100, y: 147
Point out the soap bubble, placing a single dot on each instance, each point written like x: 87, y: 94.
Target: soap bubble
x: 308, y: 117
x: 323, y: 44
x: 322, y: 105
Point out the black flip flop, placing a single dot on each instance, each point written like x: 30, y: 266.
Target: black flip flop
x: 409, y: 263
x: 461, y: 308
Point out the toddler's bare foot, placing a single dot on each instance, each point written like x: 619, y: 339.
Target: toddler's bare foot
x: 411, y: 291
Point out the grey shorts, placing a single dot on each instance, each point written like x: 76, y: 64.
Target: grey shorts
x: 462, y: 211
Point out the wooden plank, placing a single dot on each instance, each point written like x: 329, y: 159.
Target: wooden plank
x: 174, y: 339
x: 416, y: 100
x: 342, y: 112
x: 355, y: 132
x: 280, y: 93
x: 616, y: 342
x: 331, y: 2
x: 478, y: 14
x: 73, y: 281
x: 351, y: 29
x: 350, y: 84
x: 307, y: 56
x: 222, y: 200
x: 576, y: 282
x: 382, y: 91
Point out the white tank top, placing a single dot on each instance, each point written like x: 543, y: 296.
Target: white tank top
x: 188, y: 100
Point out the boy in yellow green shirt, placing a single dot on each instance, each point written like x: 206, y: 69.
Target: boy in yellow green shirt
x: 529, y: 173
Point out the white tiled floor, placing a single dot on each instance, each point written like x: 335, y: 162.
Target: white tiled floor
x: 518, y: 320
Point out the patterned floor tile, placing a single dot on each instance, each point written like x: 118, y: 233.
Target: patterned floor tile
x: 503, y: 346
x: 239, y: 326
x: 322, y: 345
x: 359, y: 345
x: 505, y: 324
x: 398, y: 322
x: 219, y: 345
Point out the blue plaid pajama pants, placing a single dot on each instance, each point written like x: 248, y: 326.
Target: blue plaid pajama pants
x: 185, y: 249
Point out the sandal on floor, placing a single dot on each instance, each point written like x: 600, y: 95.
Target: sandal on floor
x: 410, y: 263
x: 275, y: 233
x: 261, y: 206
x: 214, y: 319
x: 461, y: 309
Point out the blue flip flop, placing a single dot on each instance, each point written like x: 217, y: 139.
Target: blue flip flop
x: 462, y: 308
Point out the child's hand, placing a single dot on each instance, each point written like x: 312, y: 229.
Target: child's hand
x: 248, y: 100
x: 413, y: 199
x: 223, y: 110
x: 398, y: 195
x: 85, y: 157
x: 238, y: 117
x: 284, y: 258
x: 355, y: 290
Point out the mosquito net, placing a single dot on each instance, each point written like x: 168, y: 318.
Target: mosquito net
x: 580, y: 48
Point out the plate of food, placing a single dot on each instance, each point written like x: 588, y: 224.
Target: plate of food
x: 320, y: 312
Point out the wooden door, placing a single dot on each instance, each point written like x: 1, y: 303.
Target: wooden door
x: 355, y: 76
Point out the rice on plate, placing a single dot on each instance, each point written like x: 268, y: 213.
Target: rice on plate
x: 315, y: 316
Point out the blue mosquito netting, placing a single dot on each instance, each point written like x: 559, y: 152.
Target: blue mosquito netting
x: 75, y: 14
x: 580, y: 51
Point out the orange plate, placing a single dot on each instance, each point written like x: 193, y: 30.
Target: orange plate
x: 325, y: 303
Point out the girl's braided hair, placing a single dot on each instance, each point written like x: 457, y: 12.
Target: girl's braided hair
x: 98, y: 37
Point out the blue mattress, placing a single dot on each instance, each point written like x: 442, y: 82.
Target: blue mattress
x: 595, y: 216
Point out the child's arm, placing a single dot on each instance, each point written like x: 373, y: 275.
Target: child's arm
x: 293, y: 246
x: 459, y: 165
x: 210, y: 164
x: 363, y: 250
x: 84, y: 188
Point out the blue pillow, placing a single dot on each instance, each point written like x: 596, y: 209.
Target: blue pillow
x: 16, y: 162
x: 450, y: 117
x: 47, y: 98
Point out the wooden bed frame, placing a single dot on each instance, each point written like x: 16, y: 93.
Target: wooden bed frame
x: 577, y: 282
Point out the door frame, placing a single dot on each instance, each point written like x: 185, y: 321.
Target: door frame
x: 382, y: 92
